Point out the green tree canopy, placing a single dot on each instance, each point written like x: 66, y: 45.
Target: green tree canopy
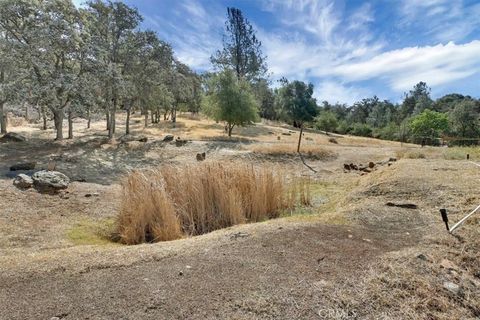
x: 241, y: 49
x: 231, y: 100
x: 429, y: 124
x: 299, y: 106
x: 326, y: 121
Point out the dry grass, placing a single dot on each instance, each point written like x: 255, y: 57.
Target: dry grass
x: 460, y: 153
x: 290, y: 149
x: 171, y: 202
x: 410, y: 154
x: 411, y: 283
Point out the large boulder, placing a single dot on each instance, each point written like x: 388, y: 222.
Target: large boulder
x: 50, y: 180
x: 13, y: 137
x: 23, y: 181
x: 23, y: 166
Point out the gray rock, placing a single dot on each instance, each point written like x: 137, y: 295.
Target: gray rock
x: 23, y: 181
x: 168, y: 138
x: 129, y: 138
x: 180, y: 142
x: 423, y: 257
x: 23, y: 166
x: 13, y: 137
x: 50, y: 180
x: 452, y: 287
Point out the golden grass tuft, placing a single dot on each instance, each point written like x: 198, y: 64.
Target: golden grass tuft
x: 171, y: 202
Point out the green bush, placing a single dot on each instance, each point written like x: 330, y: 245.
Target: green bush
x: 362, y: 129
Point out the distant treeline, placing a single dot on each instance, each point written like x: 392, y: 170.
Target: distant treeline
x: 453, y: 118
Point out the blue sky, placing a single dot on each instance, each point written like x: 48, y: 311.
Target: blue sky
x: 348, y: 49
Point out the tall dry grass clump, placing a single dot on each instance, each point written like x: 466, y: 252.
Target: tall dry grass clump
x: 170, y: 202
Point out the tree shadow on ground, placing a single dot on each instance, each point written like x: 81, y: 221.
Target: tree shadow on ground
x: 86, y: 159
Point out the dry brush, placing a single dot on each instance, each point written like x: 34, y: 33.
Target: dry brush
x: 172, y: 202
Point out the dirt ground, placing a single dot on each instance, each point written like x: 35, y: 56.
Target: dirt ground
x: 350, y: 256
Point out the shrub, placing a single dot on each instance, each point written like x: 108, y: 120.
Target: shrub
x: 361, y: 129
x: 171, y: 202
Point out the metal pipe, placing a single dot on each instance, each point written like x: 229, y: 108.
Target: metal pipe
x: 459, y: 223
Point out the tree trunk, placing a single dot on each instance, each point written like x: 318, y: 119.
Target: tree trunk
x: 114, y: 111
x: 152, y: 119
x: 70, y: 124
x: 146, y: 118
x: 107, y: 114
x: 26, y: 112
x: 300, y: 137
x: 110, y: 124
x: 89, y: 118
x: 230, y: 128
x: 44, y: 118
x: 127, y: 124
x: 3, y: 118
x: 58, y: 120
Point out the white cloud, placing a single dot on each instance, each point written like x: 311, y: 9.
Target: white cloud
x: 445, y: 20
x: 194, y: 32
x: 334, y: 91
x: 402, y: 68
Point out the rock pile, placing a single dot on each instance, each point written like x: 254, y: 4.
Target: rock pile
x: 367, y: 168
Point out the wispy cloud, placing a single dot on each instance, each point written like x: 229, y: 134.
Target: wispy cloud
x: 444, y: 20
x: 349, y: 50
x: 194, y: 31
x: 403, y: 68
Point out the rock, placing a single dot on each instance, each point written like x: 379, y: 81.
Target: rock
x: 333, y: 140
x: 180, y: 142
x: 129, y: 138
x: 23, y: 181
x: 23, y: 166
x: 423, y: 257
x: 447, y: 264
x: 201, y: 156
x: 88, y: 195
x: 50, y: 180
x: 367, y: 170
x: 353, y: 166
x: 392, y: 159
x: 239, y: 235
x: 346, y: 166
x: 371, y: 165
x: 452, y: 287
x: 286, y: 134
x: 13, y: 137
x: 168, y: 138
x: 278, y: 137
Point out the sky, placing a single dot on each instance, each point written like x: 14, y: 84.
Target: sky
x: 349, y: 50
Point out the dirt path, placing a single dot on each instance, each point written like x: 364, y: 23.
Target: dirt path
x: 248, y: 273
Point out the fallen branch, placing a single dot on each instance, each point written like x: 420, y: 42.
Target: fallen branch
x: 306, y: 165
